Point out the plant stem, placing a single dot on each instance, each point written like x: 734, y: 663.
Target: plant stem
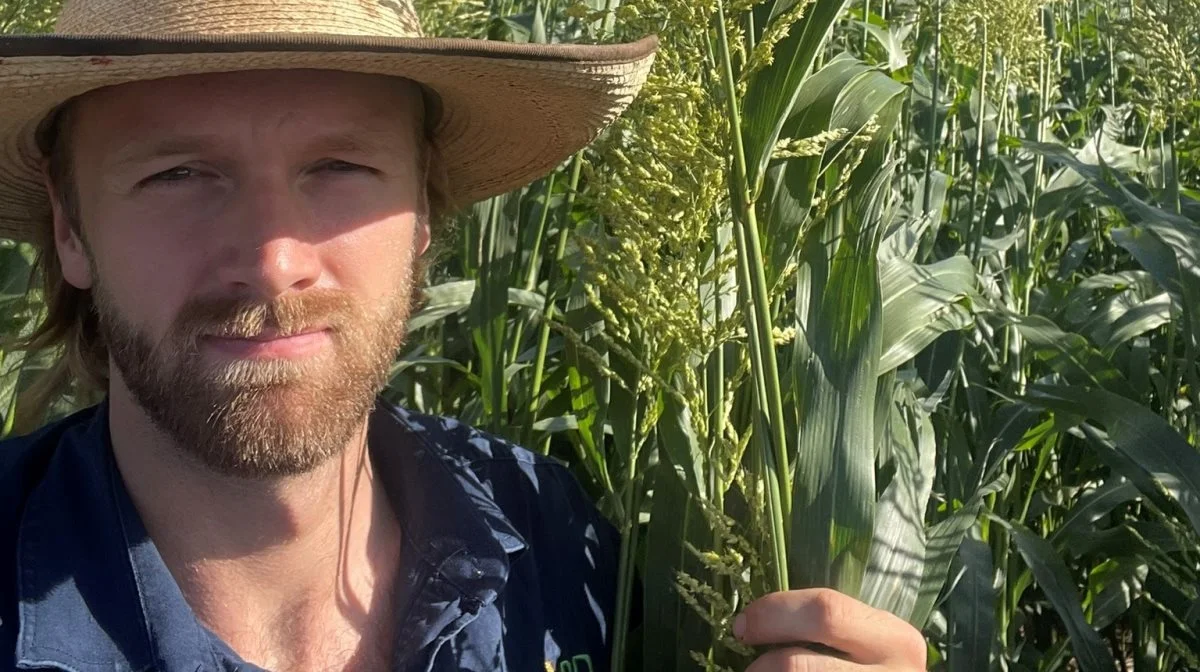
x: 534, y: 264
x: 758, y: 318
x: 931, y: 140
x: 977, y: 228
x: 866, y: 17
x: 629, y: 550
x: 552, y: 286
x: 1030, y: 267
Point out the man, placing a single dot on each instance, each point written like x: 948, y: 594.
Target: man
x: 233, y: 198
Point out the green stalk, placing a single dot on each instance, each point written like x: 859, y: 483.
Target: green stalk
x: 866, y: 17
x: 1030, y: 269
x: 1044, y: 457
x: 1112, y: 68
x: 1079, y: 50
x: 552, y: 287
x: 1174, y: 175
x: 535, y: 263
x: 931, y: 140
x: 628, y: 561
x: 1190, y: 369
x: 978, y: 229
x: 751, y: 39
x: 610, y: 18
x: 715, y: 390
x: 714, y: 400
x: 758, y: 319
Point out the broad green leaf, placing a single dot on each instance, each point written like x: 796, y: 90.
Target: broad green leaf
x: 1013, y: 428
x: 1071, y: 355
x: 772, y: 92
x: 943, y: 542
x: 906, y: 239
x: 971, y: 608
x: 560, y: 423
x: 834, y: 370
x: 454, y: 297
x: 15, y: 270
x: 584, y: 408
x: 448, y: 298
x: 678, y: 445
x: 892, y: 41
x: 846, y: 93
x: 1114, y: 586
x: 672, y: 629
x: 1166, y: 244
x: 1092, y: 506
x: 1146, y: 316
x: 897, y: 559
x: 1137, y: 433
x: 1153, y: 253
x: 1055, y: 581
x: 920, y: 303
x: 404, y: 363
x: 1098, y: 316
x: 1144, y: 539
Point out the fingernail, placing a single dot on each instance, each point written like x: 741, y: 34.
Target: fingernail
x: 739, y: 626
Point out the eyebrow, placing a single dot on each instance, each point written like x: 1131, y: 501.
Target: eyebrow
x: 360, y: 140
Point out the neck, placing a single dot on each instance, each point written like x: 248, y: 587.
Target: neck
x: 288, y: 571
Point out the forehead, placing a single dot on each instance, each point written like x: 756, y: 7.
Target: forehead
x: 293, y: 100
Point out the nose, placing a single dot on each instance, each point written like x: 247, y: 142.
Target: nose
x: 270, y: 247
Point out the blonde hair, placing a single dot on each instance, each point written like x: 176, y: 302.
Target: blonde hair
x: 69, y: 327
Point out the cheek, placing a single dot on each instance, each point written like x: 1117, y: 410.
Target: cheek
x: 145, y: 275
x: 357, y: 204
x: 373, y: 261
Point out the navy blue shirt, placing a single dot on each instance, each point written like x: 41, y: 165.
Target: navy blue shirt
x: 505, y: 563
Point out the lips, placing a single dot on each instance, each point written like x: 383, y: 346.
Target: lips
x: 268, y: 334
x: 273, y: 334
x: 268, y: 344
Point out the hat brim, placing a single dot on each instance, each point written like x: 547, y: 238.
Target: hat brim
x: 507, y: 113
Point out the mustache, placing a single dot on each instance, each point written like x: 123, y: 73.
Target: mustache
x: 287, y: 315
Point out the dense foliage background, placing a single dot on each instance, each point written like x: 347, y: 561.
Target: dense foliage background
x: 897, y: 296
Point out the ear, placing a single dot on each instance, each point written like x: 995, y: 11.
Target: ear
x: 424, y: 232
x: 72, y: 257
x: 423, y: 235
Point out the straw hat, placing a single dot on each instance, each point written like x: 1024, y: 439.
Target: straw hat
x: 505, y: 114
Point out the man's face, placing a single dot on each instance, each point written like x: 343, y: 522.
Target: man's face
x: 250, y: 242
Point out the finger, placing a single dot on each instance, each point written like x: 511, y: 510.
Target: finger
x: 866, y: 635
x: 796, y: 659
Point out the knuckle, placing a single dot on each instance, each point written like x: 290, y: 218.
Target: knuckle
x: 827, y: 608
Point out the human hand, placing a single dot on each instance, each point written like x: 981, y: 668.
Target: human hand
x: 868, y: 639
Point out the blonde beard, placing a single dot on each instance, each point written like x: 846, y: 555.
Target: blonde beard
x: 260, y: 419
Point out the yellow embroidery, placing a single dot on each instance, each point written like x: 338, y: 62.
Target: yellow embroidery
x: 578, y: 663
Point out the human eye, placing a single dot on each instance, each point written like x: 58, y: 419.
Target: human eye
x: 339, y: 166
x: 172, y: 175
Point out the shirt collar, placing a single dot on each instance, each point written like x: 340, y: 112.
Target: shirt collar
x: 95, y: 594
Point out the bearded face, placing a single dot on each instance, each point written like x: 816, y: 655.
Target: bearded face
x: 250, y: 414
x: 250, y: 242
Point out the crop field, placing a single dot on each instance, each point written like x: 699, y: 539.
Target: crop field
x: 897, y: 297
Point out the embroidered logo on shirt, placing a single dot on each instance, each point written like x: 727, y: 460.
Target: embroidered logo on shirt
x: 579, y: 663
